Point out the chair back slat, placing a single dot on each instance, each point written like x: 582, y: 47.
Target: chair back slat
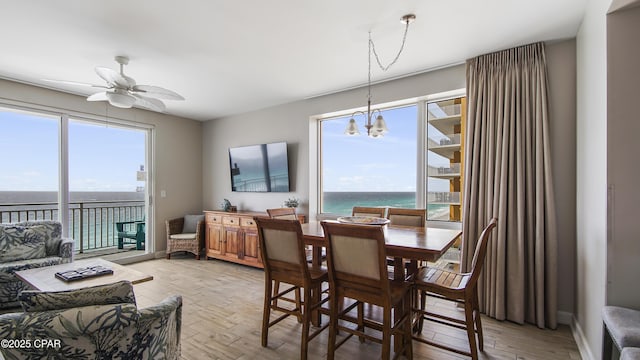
x: 481, y: 251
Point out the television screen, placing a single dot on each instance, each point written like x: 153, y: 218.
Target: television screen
x: 260, y: 168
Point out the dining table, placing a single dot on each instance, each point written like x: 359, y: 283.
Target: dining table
x: 402, y: 242
x: 406, y: 244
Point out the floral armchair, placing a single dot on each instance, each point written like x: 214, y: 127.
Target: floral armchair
x: 28, y: 245
x: 100, y: 322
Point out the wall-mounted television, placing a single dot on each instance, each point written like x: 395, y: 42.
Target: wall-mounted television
x: 259, y: 168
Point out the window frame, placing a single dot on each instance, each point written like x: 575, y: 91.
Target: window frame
x: 64, y: 116
x: 315, y: 152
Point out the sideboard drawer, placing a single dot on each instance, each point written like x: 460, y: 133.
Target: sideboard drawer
x: 231, y: 220
x: 247, y: 222
x: 214, y: 218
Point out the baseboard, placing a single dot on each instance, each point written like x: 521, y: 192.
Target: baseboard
x: 135, y: 259
x: 581, y: 340
x: 565, y: 318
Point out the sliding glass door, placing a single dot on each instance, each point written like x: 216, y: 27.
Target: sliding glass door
x: 107, y: 184
x: 87, y: 173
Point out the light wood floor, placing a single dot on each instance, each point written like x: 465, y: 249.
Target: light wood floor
x: 222, y: 315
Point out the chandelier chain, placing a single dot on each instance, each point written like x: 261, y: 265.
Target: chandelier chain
x: 378, y: 128
x: 372, y: 47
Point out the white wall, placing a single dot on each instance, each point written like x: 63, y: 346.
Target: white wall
x: 290, y: 122
x: 623, y: 130
x: 178, y: 148
x: 591, y: 184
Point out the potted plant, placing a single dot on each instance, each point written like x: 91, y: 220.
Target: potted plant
x: 292, y: 203
x: 226, y: 206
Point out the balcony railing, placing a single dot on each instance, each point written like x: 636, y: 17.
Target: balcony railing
x: 92, y: 224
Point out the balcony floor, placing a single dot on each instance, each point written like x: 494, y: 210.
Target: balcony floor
x: 111, y: 253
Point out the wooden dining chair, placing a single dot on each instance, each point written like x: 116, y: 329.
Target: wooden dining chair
x: 285, y: 262
x: 287, y: 213
x: 458, y: 287
x: 282, y: 213
x: 406, y: 217
x: 368, y: 211
x: 358, y: 271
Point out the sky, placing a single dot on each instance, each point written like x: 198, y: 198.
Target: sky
x: 386, y: 164
x: 362, y: 163
x: 101, y: 157
x: 104, y: 157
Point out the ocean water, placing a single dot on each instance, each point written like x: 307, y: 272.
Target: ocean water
x: 34, y: 197
x: 341, y: 203
x: 94, y: 224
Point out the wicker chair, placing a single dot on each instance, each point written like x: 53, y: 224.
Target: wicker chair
x: 185, y: 234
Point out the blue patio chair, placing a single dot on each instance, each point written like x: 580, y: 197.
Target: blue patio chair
x: 131, y: 232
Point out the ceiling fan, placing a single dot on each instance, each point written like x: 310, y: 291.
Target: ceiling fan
x: 122, y: 90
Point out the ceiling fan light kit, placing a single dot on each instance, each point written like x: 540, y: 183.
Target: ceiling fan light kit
x: 123, y: 92
x: 120, y: 98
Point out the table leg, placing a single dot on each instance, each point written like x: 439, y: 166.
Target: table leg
x: 398, y: 269
x: 316, y: 292
x: 398, y: 275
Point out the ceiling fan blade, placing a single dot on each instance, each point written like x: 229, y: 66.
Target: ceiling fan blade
x: 112, y: 77
x: 153, y: 104
x: 157, y: 92
x: 74, y: 83
x: 101, y: 96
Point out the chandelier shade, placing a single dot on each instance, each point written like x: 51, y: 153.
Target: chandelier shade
x: 352, y: 128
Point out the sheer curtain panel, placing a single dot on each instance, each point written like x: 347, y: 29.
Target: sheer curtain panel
x: 508, y: 176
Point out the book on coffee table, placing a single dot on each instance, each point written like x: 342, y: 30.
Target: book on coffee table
x: 84, y: 273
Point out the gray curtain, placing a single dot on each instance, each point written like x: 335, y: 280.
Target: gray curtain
x: 508, y: 175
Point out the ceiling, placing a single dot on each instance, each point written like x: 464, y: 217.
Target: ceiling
x: 229, y: 57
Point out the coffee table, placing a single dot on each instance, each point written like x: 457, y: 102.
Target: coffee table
x: 44, y: 278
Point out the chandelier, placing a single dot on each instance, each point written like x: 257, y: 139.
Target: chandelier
x: 378, y: 127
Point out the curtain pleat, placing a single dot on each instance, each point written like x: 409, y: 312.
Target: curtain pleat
x: 508, y: 175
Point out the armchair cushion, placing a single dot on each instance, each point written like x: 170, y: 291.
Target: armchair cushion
x: 21, y: 243
x: 191, y: 223
x: 183, y: 236
x: 51, y: 230
x: 89, y: 332
x: 102, y: 330
x: 160, y: 326
x: 28, y: 245
x: 116, y: 293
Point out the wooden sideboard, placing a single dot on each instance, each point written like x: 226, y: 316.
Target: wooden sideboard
x: 233, y: 236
